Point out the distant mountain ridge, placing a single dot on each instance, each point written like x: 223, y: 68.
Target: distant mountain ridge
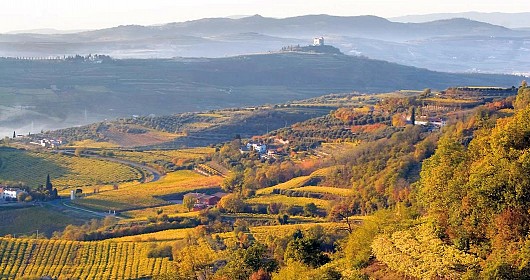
x: 309, y: 26
x: 510, y: 20
x: 460, y: 45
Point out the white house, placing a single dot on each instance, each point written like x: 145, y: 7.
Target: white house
x: 12, y: 193
x: 259, y: 147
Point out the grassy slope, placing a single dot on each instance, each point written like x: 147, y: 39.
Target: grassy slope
x: 33, y: 167
x: 147, y: 195
x: 26, y: 221
x: 143, y: 87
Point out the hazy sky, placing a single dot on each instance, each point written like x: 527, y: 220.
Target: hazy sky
x: 93, y: 14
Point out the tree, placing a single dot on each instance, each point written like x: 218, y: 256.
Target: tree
x: 232, y: 203
x: 310, y: 209
x: 343, y: 211
x: 196, y: 260
x: 188, y: 202
x: 425, y: 93
x: 49, y: 186
x: 22, y: 196
x: 522, y: 99
x: 78, y: 151
x: 283, y: 219
x: 14, y: 135
x: 398, y: 120
x: 244, y: 263
x: 305, y: 250
x: 233, y: 182
x: 413, y: 115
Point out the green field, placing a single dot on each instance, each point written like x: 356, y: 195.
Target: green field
x: 33, y: 167
x: 27, y: 221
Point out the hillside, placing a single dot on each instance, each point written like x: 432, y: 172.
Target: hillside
x: 51, y: 94
x: 359, y: 192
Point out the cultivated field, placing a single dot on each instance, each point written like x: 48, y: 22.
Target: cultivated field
x: 77, y: 260
x: 33, y: 167
x: 149, y: 195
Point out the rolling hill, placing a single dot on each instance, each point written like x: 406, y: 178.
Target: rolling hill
x: 50, y: 94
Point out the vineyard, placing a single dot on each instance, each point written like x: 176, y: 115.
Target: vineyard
x: 286, y: 200
x: 32, y: 168
x: 77, y: 260
x: 207, y: 170
x: 152, y: 156
x: 148, y: 195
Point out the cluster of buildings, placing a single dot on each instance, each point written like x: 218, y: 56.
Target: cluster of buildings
x: 7, y: 193
x: 203, y: 200
x: 48, y: 143
x: 261, y: 148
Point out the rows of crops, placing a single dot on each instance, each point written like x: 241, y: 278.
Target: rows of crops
x: 77, y: 260
x: 167, y: 155
x: 33, y: 167
x: 148, y: 195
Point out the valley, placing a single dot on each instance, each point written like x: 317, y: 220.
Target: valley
x: 80, y: 91
x: 341, y: 163
x: 282, y: 146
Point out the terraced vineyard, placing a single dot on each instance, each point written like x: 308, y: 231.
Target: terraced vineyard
x: 77, y: 260
x: 32, y: 168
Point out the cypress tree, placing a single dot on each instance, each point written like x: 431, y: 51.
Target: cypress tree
x: 49, y: 185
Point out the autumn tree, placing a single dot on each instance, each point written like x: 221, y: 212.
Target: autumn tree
x: 196, y: 260
x: 522, y: 99
x: 231, y: 203
x: 188, y: 202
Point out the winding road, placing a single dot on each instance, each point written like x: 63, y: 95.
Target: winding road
x: 151, y: 175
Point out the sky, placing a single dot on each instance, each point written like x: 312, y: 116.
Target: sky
x: 95, y: 14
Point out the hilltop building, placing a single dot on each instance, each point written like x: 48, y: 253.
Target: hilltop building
x: 318, y: 41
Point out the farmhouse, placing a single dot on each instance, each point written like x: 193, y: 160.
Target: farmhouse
x: 10, y: 193
x: 204, y: 200
x: 259, y: 147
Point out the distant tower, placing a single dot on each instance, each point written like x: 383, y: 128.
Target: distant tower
x: 318, y: 41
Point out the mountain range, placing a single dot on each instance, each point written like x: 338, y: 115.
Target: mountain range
x: 510, y: 20
x: 452, y: 45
